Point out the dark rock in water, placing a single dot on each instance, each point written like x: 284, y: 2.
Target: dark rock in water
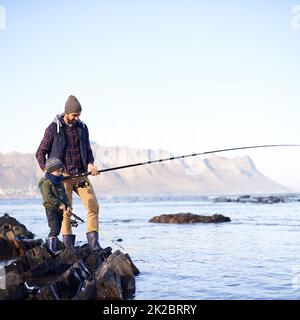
x: 254, y: 199
x: 36, y: 255
x: 71, y: 255
x: 123, y: 266
x: 11, y: 228
x: 74, y: 273
x: 189, y: 218
x: 93, y: 261
x: 17, y: 292
x: 115, y: 278
x: 88, y: 291
x: 67, y: 285
x: 135, y: 270
x: 48, y: 293
x: 105, y: 276
x: 15, y: 239
x: 7, y: 249
x: 223, y: 199
x: 108, y: 283
x: 46, y: 268
x: 25, y: 245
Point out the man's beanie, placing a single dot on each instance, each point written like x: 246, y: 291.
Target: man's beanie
x: 53, y: 164
x: 72, y: 105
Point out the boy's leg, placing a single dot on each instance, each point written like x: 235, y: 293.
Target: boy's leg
x: 66, y: 228
x: 54, y: 218
x: 54, y: 221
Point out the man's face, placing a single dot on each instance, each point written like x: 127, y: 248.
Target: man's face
x: 72, y: 117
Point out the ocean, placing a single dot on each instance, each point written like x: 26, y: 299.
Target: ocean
x: 255, y: 256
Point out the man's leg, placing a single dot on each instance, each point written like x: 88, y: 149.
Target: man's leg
x: 89, y: 199
x: 66, y: 228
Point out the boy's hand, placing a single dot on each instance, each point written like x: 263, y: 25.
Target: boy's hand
x: 68, y: 211
x: 62, y: 207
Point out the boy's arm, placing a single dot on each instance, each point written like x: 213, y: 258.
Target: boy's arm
x: 48, y: 196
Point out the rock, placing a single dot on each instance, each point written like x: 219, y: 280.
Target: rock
x: 123, y: 266
x: 37, y: 255
x: 71, y: 255
x: 135, y: 270
x: 17, y: 292
x: 223, y: 199
x: 11, y: 226
x: 73, y: 273
x: 7, y: 249
x: 108, y: 283
x: 269, y: 199
x: 93, y: 261
x: 88, y: 291
x: 254, y: 199
x: 189, y: 218
x: 48, y: 293
x: 46, y: 268
x: 15, y: 239
x: 67, y: 285
x: 115, y: 278
x: 15, y: 248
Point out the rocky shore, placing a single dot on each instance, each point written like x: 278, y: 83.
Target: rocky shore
x: 189, y: 218
x: 73, y: 274
x: 255, y: 199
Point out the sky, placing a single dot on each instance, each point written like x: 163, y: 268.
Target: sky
x: 184, y: 76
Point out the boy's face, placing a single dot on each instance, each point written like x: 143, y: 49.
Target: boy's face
x: 57, y: 172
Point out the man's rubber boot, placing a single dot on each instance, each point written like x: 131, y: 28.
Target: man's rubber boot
x: 69, y: 240
x: 93, y: 240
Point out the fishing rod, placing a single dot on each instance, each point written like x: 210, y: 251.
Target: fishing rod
x: 85, y: 174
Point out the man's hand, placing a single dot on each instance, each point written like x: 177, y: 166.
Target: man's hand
x: 93, y: 169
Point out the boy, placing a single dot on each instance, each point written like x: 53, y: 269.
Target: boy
x: 56, y: 202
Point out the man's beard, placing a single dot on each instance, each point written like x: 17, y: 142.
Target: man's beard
x: 71, y: 121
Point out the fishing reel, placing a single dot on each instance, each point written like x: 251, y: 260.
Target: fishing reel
x: 74, y: 223
x: 82, y: 184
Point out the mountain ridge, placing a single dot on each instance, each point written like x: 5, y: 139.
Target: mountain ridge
x: 19, y: 174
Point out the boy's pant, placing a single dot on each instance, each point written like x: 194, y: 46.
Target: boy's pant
x: 88, y: 197
x: 55, y: 218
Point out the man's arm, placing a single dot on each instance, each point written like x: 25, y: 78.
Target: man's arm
x: 45, y: 147
x: 89, y: 153
x: 89, y: 157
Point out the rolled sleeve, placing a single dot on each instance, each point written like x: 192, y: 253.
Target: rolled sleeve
x: 45, y: 147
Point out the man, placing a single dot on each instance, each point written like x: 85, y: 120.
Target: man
x: 67, y: 139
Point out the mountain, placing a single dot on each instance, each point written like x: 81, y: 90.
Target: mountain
x: 19, y: 175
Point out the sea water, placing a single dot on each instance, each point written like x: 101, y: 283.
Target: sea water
x: 255, y: 256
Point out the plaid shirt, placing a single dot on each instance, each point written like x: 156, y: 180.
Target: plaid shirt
x: 71, y: 157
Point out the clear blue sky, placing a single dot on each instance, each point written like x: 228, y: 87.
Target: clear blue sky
x: 179, y: 75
